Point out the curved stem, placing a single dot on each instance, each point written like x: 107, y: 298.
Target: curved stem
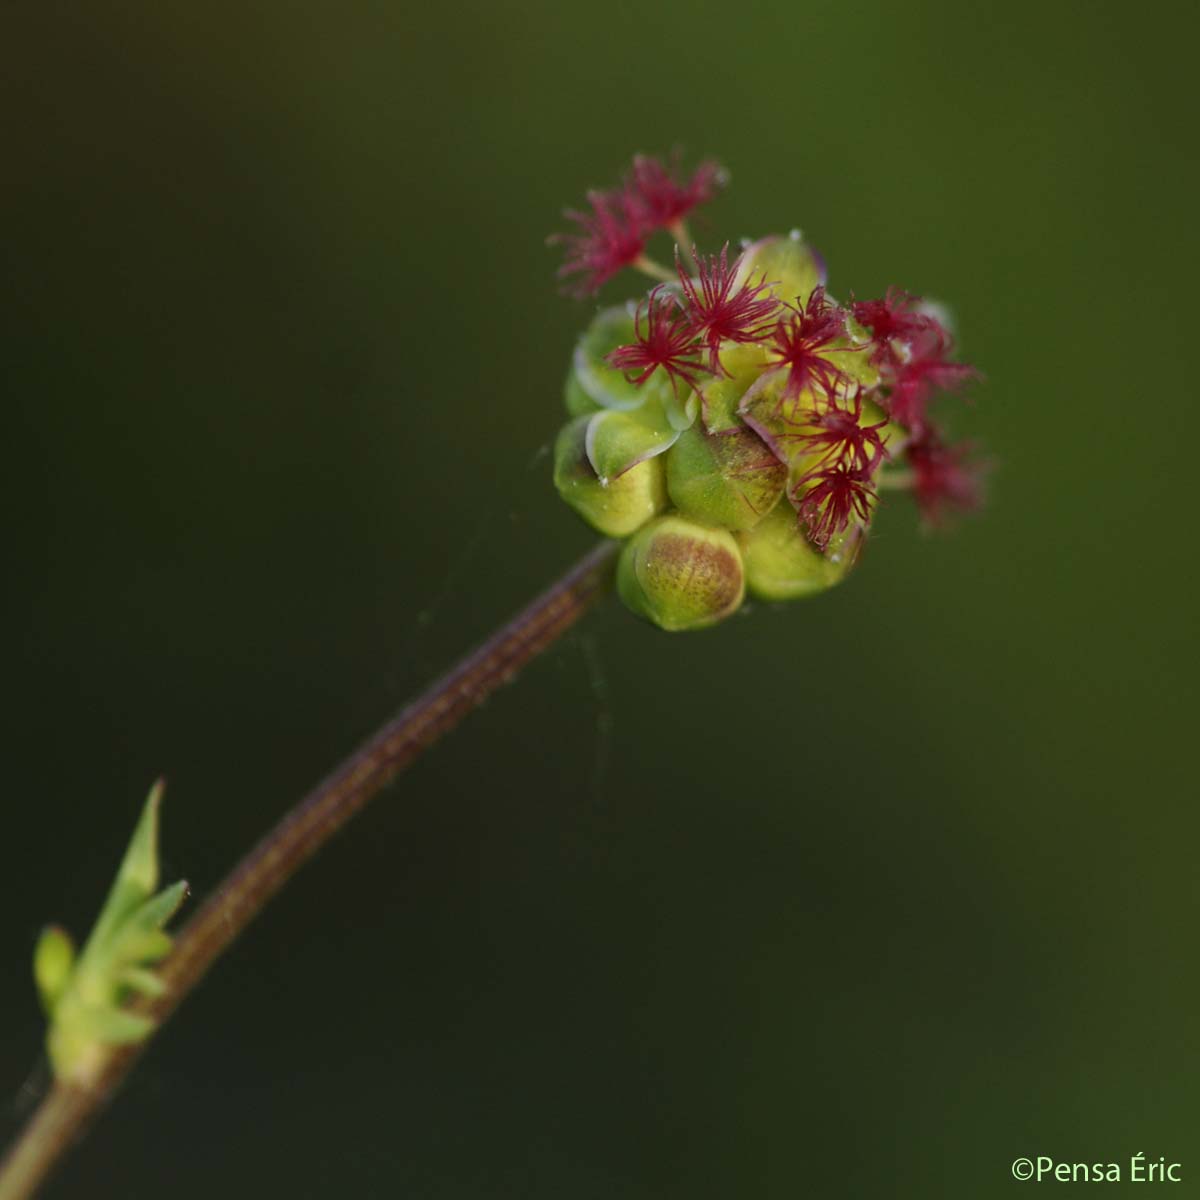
x: 655, y: 270
x: 66, y: 1109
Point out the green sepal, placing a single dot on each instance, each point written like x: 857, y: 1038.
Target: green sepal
x: 617, y: 441
x: 616, y: 507
x: 720, y: 397
x: 782, y: 564
x: 787, y: 264
x: 728, y: 479
x: 775, y: 419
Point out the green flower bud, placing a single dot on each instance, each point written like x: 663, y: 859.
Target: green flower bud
x: 616, y: 505
x: 681, y: 574
x: 729, y: 479
x: 782, y: 564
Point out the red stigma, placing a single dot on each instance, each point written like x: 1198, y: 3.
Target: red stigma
x: 798, y: 341
x: 665, y: 339
x: 832, y: 497
x: 718, y: 312
x: 925, y: 372
x: 891, y: 317
x: 611, y: 237
x: 944, y: 477
x: 662, y: 196
x: 838, y: 436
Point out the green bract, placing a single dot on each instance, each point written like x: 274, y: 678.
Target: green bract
x: 706, y: 480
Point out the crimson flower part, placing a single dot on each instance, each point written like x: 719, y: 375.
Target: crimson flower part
x: 720, y: 312
x: 894, y: 316
x: 798, y: 341
x: 832, y: 498
x: 945, y: 477
x: 611, y: 237
x: 837, y: 435
x: 926, y: 371
x: 665, y: 339
x: 663, y: 196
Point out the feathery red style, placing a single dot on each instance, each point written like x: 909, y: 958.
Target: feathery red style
x: 720, y: 312
x: 838, y: 435
x: 612, y: 237
x: 832, y: 498
x: 798, y: 341
x: 926, y: 370
x: 891, y: 317
x: 662, y: 196
x: 944, y: 477
x: 666, y: 340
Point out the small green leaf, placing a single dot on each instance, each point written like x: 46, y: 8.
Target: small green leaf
x: 139, y: 868
x: 114, y: 1026
x: 141, y: 980
x: 133, y: 944
x: 137, y: 877
x: 159, y: 909
x: 53, y: 958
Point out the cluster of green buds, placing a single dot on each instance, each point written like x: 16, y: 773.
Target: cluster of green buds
x: 736, y: 425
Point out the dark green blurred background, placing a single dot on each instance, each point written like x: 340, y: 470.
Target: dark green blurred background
x: 860, y: 897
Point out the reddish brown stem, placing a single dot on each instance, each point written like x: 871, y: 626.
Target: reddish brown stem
x: 65, y: 1111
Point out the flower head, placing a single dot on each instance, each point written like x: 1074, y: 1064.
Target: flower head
x: 720, y: 312
x: 663, y: 196
x: 611, y: 237
x: 944, y: 476
x: 763, y: 472
x: 665, y: 339
x: 828, y: 499
x: 802, y: 340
